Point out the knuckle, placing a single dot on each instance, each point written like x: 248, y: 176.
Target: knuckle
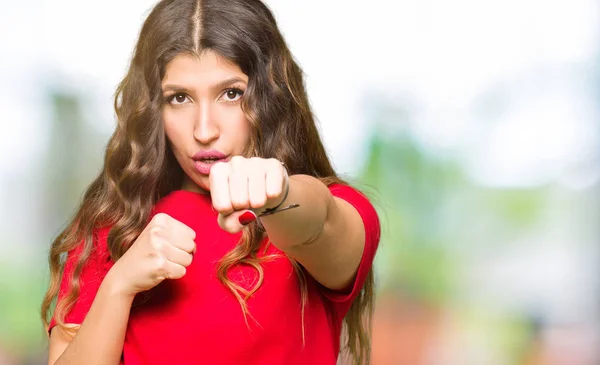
x: 177, y: 273
x: 279, y: 165
x: 186, y: 245
x: 157, y: 244
x: 156, y: 231
x: 239, y: 204
x: 160, y: 263
x: 237, y: 159
x: 153, y: 255
x: 256, y: 163
x: 192, y: 233
x: 258, y: 202
x: 237, y: 176
x: 221, y: 207
x: 160, y: 220
x: 275, y: 163
x: 218, y: 167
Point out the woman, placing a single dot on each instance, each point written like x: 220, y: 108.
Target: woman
x: 167, y: 262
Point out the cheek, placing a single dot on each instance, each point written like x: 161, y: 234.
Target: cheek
x: 167, y: 124
x: 172, y: 130
x: 242, y: 128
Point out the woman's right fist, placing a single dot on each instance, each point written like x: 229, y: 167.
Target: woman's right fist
x: 162, y: 251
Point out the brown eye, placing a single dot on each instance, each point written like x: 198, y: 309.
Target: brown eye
x: 176, y: 99
x: 180, y: 98
x: 233, y: 94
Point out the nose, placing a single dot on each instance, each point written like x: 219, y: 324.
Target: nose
x: 206, y: 128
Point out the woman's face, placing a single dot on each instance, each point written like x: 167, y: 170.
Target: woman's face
x: 202, y: 114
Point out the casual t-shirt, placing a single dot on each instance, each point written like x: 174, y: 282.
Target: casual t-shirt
x: 197, y: 320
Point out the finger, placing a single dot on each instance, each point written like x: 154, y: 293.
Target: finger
x: 174, y: 270
x: 276, y: 175
x: 181, y: 236
x: 235, y: 222
x: 219, y: 187
x: 182, y: 228
x: 238, y: 189
x: 257, y: 194
x: 182, y: 242
x: 160, y: 220
x: 177, y: 255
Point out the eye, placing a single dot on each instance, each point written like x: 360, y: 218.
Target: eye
x: 233, y: 94
x: 179, y: 98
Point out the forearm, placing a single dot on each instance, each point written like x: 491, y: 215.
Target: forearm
x: 298, y: 226
x: 100, y: 338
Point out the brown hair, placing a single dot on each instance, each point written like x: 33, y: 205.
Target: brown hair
x: 139, y: 167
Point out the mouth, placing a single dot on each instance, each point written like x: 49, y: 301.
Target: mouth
x: 204, y: 164
x: 209, y: 160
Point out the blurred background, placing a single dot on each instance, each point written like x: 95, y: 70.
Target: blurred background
x: 474, y: 125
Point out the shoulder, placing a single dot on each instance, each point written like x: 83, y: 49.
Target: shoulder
x: 347, y: 191
x: 96, y: 253
x: 98, y: 244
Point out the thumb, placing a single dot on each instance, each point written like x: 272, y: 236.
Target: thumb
x: 236, y: 221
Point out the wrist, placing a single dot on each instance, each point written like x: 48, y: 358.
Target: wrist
x: 114, y: 287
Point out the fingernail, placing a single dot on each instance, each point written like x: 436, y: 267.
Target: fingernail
x: 247, y: 218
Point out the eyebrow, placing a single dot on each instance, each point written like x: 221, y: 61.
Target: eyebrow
x: 218, y: 86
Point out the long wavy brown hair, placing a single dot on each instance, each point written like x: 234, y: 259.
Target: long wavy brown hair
x: 139, y: 167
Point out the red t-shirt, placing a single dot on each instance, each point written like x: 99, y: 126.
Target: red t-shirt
x: 196, y: 320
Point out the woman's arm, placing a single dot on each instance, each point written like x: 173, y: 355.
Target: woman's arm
x: 325, y: 234
x: 100, y: 338
x: 163, y: 250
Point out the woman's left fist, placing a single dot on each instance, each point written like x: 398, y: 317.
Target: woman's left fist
x: 243, y: 186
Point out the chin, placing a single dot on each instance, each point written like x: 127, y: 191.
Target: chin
x: 202, y: 186
x: 196, y: 183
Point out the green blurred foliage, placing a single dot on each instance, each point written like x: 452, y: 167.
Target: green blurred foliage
x: 434, y: 217
x: 432, y: 212
x: 21, y: 332
x: 73, y: 158
x: 414, y: 255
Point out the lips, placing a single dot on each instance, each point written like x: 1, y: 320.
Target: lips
x: 204, y: 160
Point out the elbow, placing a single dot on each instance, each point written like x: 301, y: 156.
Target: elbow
x: 327, y: 216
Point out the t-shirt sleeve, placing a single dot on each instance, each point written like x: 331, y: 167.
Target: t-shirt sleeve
x: 342, y: 300
x: 91, y: 276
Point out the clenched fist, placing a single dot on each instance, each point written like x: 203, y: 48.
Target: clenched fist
x: 242, y: 187
x: 162, y: 251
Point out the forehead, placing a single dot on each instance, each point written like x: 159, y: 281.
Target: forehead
x: 208, y: 69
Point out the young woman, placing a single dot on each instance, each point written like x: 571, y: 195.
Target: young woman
x: 166, y: 261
